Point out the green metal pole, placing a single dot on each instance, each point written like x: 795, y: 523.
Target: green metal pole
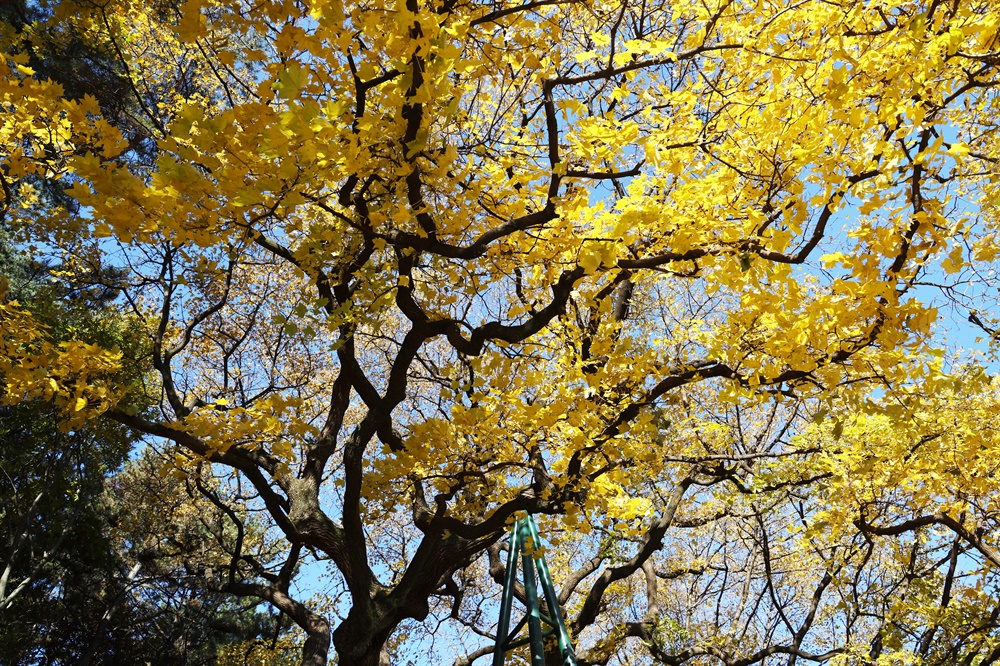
x: 531, y: 596
x: 523, y: 532
x: 562, y: 635
x: 507, y: 600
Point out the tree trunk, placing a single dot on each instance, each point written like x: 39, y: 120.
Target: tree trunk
x: 361, y: 641
x: 316, y: 649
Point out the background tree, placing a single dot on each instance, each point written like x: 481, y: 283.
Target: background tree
x: 54, y: 476
x: 91, y: 574
x: 409, y: 270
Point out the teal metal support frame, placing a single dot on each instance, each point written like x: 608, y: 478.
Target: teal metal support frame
x: 532, y: 562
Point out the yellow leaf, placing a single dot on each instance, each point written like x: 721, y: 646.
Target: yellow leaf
x: 953, y: 263
x: 832, y: 259
x: 959, y: 149
x: 191, y: 25
x: 590, y: 258
x: 291, y: 80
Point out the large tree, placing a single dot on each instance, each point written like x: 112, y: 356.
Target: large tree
x: 649, y: 268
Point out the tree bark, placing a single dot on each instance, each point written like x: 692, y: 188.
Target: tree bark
x: 361, y: 641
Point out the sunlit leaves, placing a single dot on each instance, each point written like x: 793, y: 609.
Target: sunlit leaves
x: 479, y: 254
x: 72, y: 375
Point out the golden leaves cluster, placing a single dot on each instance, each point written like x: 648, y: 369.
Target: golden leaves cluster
x: 75, y: 376
x: 743, y: 131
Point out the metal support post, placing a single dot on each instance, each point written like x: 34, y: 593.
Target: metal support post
x: 526, y: 544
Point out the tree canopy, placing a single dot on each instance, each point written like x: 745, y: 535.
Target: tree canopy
x: 667, y: 274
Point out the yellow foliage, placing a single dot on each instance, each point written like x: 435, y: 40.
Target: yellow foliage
x: 72, y: 375
x: 469, y: 258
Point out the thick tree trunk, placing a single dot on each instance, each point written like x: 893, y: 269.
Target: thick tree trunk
x: 361, y: 641
x: 316, y: 649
